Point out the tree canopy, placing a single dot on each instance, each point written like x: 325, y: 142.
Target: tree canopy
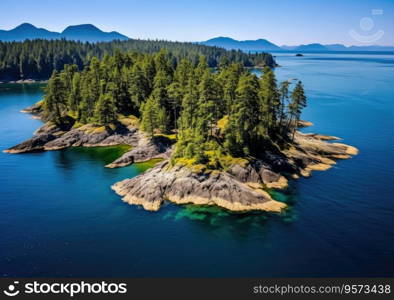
x: 37, y: 59
x: 216, y: 114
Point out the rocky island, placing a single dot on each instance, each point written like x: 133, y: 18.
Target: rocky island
x: 224, y: 138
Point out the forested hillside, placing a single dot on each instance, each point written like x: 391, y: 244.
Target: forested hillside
x: 37, y: 59
x: 216, y: 115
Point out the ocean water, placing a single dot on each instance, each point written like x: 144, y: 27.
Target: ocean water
x: 59, y: 217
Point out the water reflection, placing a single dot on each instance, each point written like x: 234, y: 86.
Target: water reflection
x: 67, y: 158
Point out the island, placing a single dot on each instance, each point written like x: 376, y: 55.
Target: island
x: 299, y: 54
x: 224, y: 136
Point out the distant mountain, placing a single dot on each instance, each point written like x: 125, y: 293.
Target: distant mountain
x: 27, y: 31
x: 247, y: 45
x: 289, y: 48
x: 90, y: 33
x: 264, y: 45
x: 84, y: 33
x: 370, y: 48
x: 335, y: 47
x: 312, y: 47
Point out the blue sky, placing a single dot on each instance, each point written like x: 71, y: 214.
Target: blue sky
x: 280, y: 21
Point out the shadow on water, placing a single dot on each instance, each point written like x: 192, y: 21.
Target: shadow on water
x: 67, y: 158
x: 32, y: 88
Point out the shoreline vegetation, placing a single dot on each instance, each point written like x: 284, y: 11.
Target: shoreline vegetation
x: 225, y: 137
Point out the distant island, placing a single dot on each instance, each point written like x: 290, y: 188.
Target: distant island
x: 225, y: 138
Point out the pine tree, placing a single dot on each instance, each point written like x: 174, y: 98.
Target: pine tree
x: 229, y: 78
x: 150, y: 115
x: 269, y: 102
x: 105, y: 109
x: 284, y: 98
x: 178, y: 88
x: 242, y: 131
x: 55, y: 102
x: 138, y: 87
x: 74, y: 97
x: 201, y: 68
x: 298, y: 102
x: 209, y: 109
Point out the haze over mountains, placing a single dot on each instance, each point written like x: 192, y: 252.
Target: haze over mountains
x: 248, y: 45
x: 90, y: 33
x: 264, y: 45
x: 84, y: 33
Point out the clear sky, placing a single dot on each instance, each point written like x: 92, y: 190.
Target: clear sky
x: 282, y: 22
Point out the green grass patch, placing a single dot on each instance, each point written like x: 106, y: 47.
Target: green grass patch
x: 143, y: 166
x: 107, y: 154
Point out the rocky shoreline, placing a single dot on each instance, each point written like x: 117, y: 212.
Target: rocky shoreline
x: 52, y: 137
x: 241, y: 187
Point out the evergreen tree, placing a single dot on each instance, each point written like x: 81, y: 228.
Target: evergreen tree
x: 209, y: 108
x: 178, y: 88
x: 242, y: 132
x: 105, y: 110
x: 152, y: 116
x: 269, y: 102
x: 74, y: 97
x: 284, y: 98
x: 55, y: 102
x: 138, y: 87
x: 229, y: 78
x: 298, y: 102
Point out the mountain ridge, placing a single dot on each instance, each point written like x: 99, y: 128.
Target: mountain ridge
x: 265, y: 45
x: 91, y: 33
x: 82, y: 32
x: 245, y: 45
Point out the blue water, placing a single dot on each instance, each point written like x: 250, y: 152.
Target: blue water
x: 59, y: 217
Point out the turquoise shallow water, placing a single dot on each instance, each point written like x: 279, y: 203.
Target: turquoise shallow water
x: 59, y: 217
